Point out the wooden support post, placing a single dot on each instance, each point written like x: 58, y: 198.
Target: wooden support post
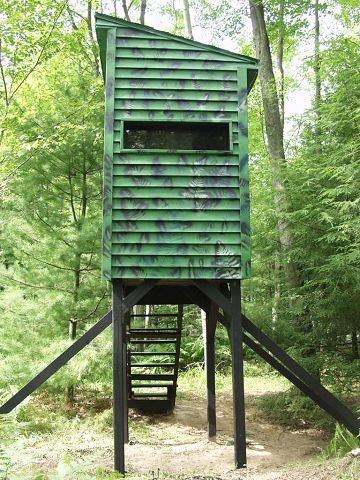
x: 125, y: 398
x: 232, y: 309
x: 211, y: 318
x: 119, y: 380
x: 277, y: 357
x: 236, y: 340
x: 125, y: 374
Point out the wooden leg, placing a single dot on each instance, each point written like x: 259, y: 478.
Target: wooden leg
x: 126, y: 365
x: 119, y: 380
x: 210, y: 368
x: 125, y: 394
x: 237, y: 375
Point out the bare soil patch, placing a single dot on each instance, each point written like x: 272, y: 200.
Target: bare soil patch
x: 177, y: 443
x: 175, y: 446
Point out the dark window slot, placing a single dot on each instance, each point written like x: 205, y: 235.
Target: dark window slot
x: 176, y: 136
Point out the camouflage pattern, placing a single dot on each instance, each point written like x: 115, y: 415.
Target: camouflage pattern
x: 108, y: 150
x: 173, y: 214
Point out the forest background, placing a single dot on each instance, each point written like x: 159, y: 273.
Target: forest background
x: 304, y: 134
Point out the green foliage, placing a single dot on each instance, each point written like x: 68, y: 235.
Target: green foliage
x: 102, y: 474
x: 294, y: 409
x: 228, y: 14
x: 50, y: 227
x: 258, y: 369
x: 38, y: 420
x: 192, y: 351
x: 341, y: 443
x: 50, y: 222
x: 30, y: 34
x: 11, y: 430
x: 316, y: 321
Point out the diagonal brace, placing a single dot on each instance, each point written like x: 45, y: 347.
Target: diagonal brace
x: 75, y: 348
x: 340, y: 412
x: 271, y: 360
x: 288, y: 366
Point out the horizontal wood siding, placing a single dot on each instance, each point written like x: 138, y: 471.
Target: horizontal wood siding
x: 176, y: 215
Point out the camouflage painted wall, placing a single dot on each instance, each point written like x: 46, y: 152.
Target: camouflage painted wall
x: 173, y: 214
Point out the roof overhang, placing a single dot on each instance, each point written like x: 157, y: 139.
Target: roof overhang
x: 105, y: 22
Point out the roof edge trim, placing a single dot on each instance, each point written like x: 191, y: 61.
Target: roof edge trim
x: 115, y: 21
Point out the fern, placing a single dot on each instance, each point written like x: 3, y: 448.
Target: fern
x: 342, y: 443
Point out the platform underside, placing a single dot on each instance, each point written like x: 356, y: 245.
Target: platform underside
x: 222, y: 303
x: 169, y: 292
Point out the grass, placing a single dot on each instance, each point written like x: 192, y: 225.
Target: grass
x: 50, y: 440
x: 352, y: 471
x: 341, y: 443
x: 57, y: 441
x: 192, y: 383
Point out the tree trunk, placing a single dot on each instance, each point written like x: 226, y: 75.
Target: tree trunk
x: 280, y: 66
x: 96, y: 65
x: 187, y: 20
x: 274, y: 130
x: 142, y: 11
x: 70, y: 389
x: 147, y: 316
x: 355, y: 345
x: 277, y: 292
x: 78, y: 222
x: 175, y: 15
x: 317, y: 99
x: 126, y: 10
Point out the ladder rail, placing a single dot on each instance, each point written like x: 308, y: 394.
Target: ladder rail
x: 143, y: 374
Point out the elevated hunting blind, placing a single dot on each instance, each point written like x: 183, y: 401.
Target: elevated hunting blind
x: 176, y: 194
x: 176, y: 224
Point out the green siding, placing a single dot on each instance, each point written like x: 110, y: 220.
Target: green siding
x: 108, y: 152
x: 244, y: 173
x: 174, y: 214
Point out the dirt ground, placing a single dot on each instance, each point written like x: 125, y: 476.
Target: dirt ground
x: 182, y: 446
x: 175, y: 446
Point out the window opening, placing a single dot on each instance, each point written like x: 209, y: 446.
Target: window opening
x: 176, y: 136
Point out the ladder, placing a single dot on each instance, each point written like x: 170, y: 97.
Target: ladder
x: 153, y: 352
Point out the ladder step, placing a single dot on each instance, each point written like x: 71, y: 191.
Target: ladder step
x: 151, y: 405
x: 163, y: 365
x: 151, y: 341
x: 152, y: 354
x: 153, y: 315
x: 151, y: 376
x: 152, y: 385
x: 149, y: 395
x: 152, y: 334
x: 155, y: 329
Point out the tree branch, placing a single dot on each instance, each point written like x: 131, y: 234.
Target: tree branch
x: 47, y: 263
x: 96, y: 307
x: 126, y: 11
x: 54, y: 231
x: 39, y: 287
x: 7, y: 178
x: 42, y: 50
x: 3, y: 76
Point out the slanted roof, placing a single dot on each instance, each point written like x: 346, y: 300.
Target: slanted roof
x: 104, y: 22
